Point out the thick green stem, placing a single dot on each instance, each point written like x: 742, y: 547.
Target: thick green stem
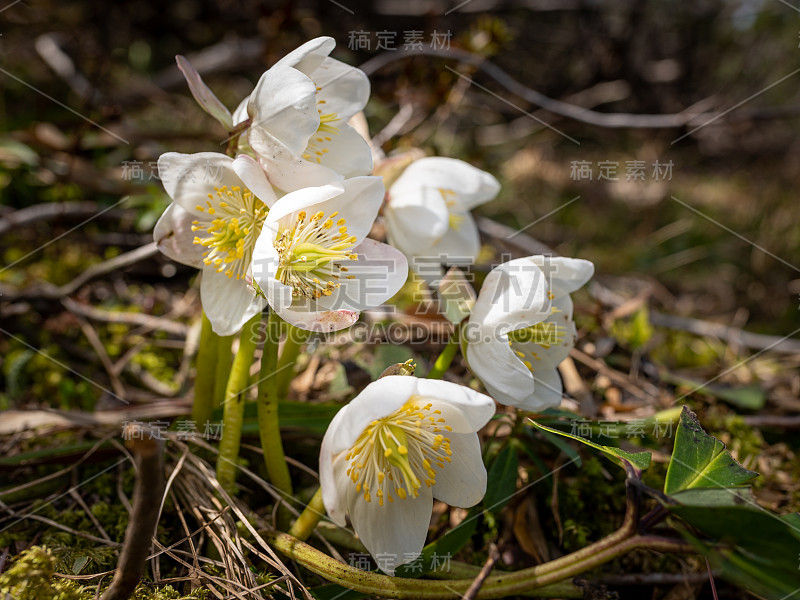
x: 446, y: 357
x: 268, y: 424
x: 203, y: 403
x: 295, y: 339
x: 233, y: 406
x: 541, y: 580
x: 223, y: 368
x: 308, y: 519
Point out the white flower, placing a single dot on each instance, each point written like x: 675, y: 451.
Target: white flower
x: 427, y: 210
x: 313, y: 256
x: 299, y: 112
x: 398, y: 445
x: 218, y: 209
x: 521, y: 328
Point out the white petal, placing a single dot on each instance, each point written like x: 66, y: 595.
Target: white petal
x: 240, y: 114
x: 463, y: 409
x: 344, y: 89
x: 415, y: 228
x: 431, y: 174
x: 379, y: 399
x: 462, y: 482
x: 378, y: 274
x: 460, y: 245
x: 227, y: 302
x: 334, y: 481
x: 564, y: 274
x: 174, y: 237
x: 308, y: 199
x: 284, y: 105
x: 393, y: 533
x: 506, y: 379
x: 547, y: 391
x: 254, y: 178
x: 347, y: 153
x: 514, y: 295
x: 189, y: 178
x: 289, y: 172
x: 308, y: 57
x: 359, y: 204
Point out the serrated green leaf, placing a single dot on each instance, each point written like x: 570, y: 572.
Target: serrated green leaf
x: 638, y: 460
x: 501, y: 479
x: 700, y: 460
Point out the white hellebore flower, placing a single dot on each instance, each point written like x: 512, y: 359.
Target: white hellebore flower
x: 521, y: 328
x: 427, y: 211
x: 218, y: 209
x: 313, y: 261
x: 398, y: 445
x: 299, y: 112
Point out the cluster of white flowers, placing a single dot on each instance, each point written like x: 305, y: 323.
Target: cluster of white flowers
x: 285, y: 224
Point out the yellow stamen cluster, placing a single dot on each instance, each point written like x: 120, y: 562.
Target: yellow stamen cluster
x: 396, y: 455
x: 235, y: 218
x: 544, y: 334
x: 454, y: 219
x: 311, y: 252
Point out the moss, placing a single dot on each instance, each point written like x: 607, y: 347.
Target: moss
x: 31, y: 577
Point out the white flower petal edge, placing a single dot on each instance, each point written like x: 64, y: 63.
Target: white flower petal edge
x: 398, y: 445
x: 219, y: 207
x: 521, y: 329
x: 313, y: 255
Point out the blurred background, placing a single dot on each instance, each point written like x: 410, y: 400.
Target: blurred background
x: 657, y: 139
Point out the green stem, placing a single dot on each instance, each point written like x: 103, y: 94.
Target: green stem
x: 233, y: 406
x: 268, y: 424
x: 446, y: 357
x: 223, y: 368
x: 295, y: 339
x: 539, y: 581
x: 203, y: 403
x: 314, y: 511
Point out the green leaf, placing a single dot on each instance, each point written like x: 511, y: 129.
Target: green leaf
x: 638, y: 460
x: 700, y: 460
x: 712, y: 497
x: 760, y: 549
x: 79, y: 564
x: 501, y: 479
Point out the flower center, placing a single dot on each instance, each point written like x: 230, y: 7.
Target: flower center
x: 311, y: 252
x: 235, y: 218
x: 454, y: 219
x: 317, y: 145
x: 544, y: 334
x: 398, y: 453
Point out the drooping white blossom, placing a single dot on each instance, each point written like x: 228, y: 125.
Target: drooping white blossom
x: 428, y: 210
x: 521, y: 328
x: 299, y: 112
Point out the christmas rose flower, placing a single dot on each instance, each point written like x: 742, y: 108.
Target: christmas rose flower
x: 398, y: 445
